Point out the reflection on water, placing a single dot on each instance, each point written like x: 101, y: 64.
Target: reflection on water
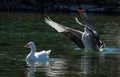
x: 57, y: 68
x: 87, y: 65
x: 78, y: 65
x: 34, y: 66
x: 52, y: 68
x: 31, y: 70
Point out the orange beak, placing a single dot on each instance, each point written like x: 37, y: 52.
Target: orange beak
x: 80, y: 11
x: 26, y: 46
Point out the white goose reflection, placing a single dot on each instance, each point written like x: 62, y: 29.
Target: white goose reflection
x: 36, y: 66
x: 53, y: 67
x: 30, y: 70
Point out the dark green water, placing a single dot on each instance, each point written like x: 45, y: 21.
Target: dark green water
x: 65, y: 60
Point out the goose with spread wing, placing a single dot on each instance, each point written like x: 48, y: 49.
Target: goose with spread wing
x: 88, y: 40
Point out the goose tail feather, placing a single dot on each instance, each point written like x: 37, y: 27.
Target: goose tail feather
x: 48, y: 52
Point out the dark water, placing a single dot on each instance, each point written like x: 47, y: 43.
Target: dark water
x: 66, y: 60
x: 85, y: 65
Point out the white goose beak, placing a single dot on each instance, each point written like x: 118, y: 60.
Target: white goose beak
x: 26, y: 46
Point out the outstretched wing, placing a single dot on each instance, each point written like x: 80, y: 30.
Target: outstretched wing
x: 70, y: 33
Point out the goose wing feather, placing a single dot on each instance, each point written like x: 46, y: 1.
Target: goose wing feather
x: 72, y: 34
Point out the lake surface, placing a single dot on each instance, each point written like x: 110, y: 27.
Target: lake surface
x: 66, y: 59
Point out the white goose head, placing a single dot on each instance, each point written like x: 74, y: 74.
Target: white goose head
x: 30, y: 45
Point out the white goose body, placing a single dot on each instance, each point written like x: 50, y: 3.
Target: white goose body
x: 42, y: 56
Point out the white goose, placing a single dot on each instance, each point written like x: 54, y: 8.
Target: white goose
x: 33, y: 56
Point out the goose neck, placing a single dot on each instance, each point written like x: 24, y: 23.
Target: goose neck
x: 33, y: 49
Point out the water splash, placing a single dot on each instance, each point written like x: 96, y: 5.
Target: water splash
x: 110, y: 50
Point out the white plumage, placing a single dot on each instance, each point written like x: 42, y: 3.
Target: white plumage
x: 33, y: 56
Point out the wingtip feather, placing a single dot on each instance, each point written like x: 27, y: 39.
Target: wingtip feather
x: 55, y: 25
